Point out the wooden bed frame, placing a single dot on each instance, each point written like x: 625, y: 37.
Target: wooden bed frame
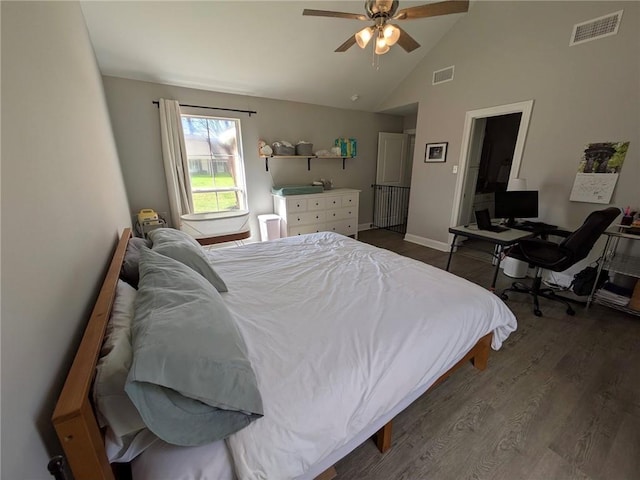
x: 74, y: 418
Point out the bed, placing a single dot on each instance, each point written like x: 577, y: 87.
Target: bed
x: 342, y: 337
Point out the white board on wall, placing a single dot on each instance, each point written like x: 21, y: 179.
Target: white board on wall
x: 593, y: 187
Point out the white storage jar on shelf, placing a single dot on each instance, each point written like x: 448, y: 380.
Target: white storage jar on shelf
x: 331, y: 211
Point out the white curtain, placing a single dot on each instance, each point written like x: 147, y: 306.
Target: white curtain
x: 176, y: 166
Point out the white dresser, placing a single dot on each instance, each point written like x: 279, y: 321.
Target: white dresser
x: 331, y: 211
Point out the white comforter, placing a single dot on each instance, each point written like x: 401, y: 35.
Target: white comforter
x: 339, y: 333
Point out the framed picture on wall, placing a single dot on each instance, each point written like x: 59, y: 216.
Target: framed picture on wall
x: 436, y: 152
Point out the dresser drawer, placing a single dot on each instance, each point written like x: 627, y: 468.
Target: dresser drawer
x: 305, y: 218
x: 304, y: 229
x: 341, y: 214
x: 350, y: 200
x: 333, y: 202
x: 344, y: 227
x: 296, y: 204
x: 316, y: 204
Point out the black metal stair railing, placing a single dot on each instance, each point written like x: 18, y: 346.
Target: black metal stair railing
x: 390, y: 207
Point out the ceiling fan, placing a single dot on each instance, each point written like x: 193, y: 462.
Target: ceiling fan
x: 382, y: 12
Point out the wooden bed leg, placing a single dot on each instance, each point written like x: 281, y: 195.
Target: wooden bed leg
x: 383, y: 438
x: 481, y: 357
x: 328, y: 474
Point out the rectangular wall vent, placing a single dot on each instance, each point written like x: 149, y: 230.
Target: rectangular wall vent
x: 443, y: 75
x: 597, y: 28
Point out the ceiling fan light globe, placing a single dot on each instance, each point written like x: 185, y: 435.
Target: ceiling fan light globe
x: 363, y: 36
x: 391, y: 34
x: 381, y: 46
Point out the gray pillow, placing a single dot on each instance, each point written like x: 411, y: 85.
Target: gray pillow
x: 164, y: 235
x: 129, y: 272
x: 184, y: 248
x: 190, y: 379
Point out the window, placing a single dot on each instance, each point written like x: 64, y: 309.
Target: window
x: 216, y: 168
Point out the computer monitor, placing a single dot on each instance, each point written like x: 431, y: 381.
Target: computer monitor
x: 516, y: 204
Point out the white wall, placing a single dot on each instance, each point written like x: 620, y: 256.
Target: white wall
x: 506, y: 52
x: 63, y: 205
x: 137, y: 132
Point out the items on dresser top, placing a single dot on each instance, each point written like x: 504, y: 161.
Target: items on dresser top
x: 296, y: 189
x: 332, y: 211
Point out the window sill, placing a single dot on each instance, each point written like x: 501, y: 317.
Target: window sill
x: 195, y: 217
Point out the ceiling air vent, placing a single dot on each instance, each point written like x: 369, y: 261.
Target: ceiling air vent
x: 597, y: 28
x: 443, y: 75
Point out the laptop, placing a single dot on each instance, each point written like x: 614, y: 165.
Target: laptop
x: 483, y: 218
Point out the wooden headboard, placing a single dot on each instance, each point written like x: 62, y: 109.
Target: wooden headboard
x: 74, y: 418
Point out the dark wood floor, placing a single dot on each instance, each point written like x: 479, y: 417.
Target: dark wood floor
x: 560, y: 400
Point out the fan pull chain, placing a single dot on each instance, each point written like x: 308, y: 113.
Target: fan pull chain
x: 375, y: 59
x: 373, y: 56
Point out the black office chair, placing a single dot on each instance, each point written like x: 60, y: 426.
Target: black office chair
x: 547, y: 255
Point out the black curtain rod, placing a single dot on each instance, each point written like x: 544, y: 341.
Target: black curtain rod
x: 157, y: 104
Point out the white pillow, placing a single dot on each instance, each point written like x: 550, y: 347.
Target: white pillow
x: 114, y: 409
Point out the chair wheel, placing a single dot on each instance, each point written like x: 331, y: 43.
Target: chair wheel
x: 504, y: 296
x: 571, y: 311
x: 537, y: 313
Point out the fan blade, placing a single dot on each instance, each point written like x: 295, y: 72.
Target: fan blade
x: 433, y: 10
x: 346, y: 45
x: 407, y: 42
x: 327, y: 13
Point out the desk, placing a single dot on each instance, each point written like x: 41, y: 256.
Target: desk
x: 499, y: 239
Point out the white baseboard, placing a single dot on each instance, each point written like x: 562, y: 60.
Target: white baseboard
x: 427, y: 242
x: 364, y: 226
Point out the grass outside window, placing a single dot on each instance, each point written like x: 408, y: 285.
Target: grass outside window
x: 204, y: 202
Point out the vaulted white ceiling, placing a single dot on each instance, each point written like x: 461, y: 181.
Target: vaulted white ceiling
x: 258, y: 48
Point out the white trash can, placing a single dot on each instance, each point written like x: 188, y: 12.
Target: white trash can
x: 269, y: 226
x: 515, y: 268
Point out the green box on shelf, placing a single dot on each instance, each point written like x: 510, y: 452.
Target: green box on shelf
x: 348, y: 146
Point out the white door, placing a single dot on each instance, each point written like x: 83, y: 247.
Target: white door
x: 471, y: 177
x: 392, y: 158
x: 391, y: 171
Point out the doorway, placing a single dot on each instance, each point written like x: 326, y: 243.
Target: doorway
x: 475, y: 186
x: 393, y: 180
x: 489, y: 166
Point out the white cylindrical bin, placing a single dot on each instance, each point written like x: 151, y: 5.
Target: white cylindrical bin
x: 515, y: 268
x: 269, y: 226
